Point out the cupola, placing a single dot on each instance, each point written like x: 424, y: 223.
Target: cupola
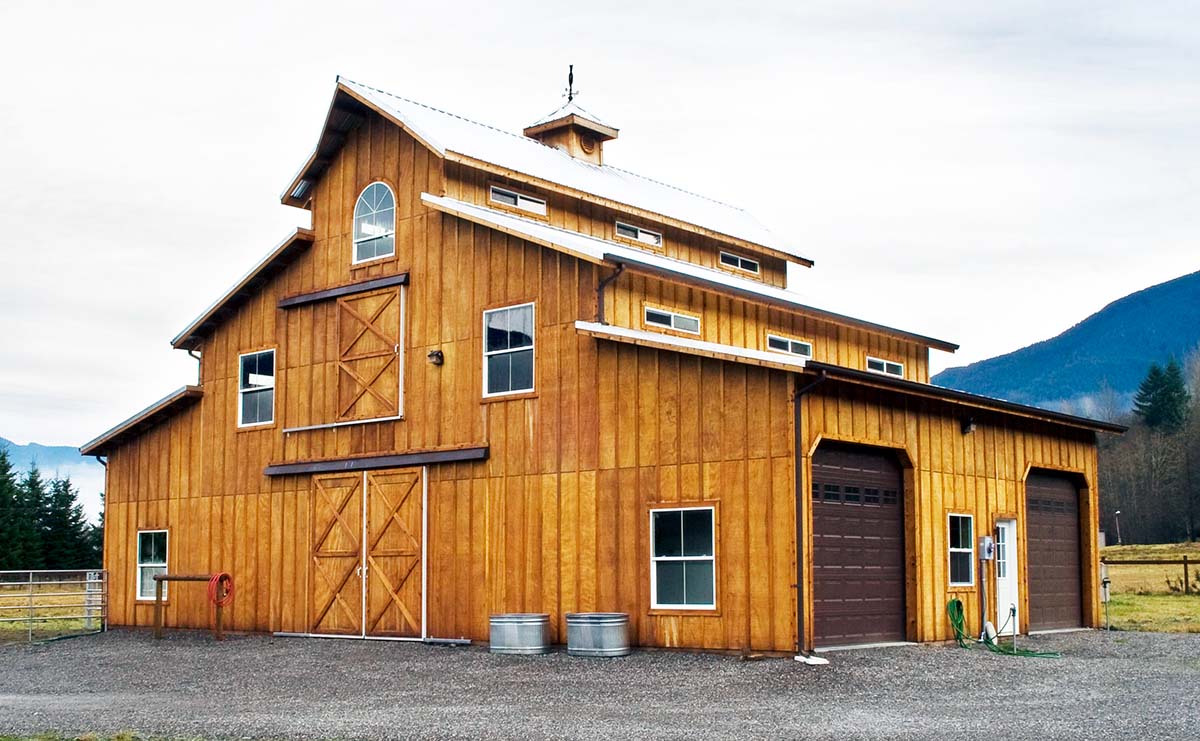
x: 573, y: 130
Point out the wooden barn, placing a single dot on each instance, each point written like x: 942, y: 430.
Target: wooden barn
x: 500, y: 375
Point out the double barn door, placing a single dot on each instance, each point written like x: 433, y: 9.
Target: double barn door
x: 366, y: 569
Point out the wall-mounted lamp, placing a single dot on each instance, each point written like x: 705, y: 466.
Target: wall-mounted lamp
x: 968, y: 425
x: 436, y: 357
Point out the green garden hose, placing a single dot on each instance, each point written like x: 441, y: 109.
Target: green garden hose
x: 954, y: 610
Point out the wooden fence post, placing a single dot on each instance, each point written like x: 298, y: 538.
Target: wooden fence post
x: 158, y: 616
x: 1187, y: 585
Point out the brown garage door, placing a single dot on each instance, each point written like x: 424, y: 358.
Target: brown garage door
x: 1055, y: 577
x: 858, y: 546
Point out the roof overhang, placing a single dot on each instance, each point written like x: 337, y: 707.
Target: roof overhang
x: 602, y: 132
x: 962, y: 398
x: 160, y: 410
x: 602, y: 251
x: 688, y: 346
x: 276, y: 260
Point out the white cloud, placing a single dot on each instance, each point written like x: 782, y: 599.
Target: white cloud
x: 989, y: 174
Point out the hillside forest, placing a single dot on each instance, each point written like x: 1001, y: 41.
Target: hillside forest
x: 42, y: 525
x: 1151, y: 474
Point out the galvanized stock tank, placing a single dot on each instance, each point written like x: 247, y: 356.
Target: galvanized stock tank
x: 597, y: 633
x: 524, y: 633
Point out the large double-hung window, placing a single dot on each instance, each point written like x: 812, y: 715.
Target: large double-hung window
x: 508, y: 350
x: 683, y: 558
x: 256, y: 388
x: 151, y: 560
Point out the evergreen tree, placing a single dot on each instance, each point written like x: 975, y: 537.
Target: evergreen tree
x: 9, y: 493
x: 1162, y: 398
x: 26, y: 534
x: 64, y: 529
x: 95, y: 540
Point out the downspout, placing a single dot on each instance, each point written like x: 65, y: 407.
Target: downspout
x: 199, y: 366
x: 801, y: 603
x: 600, y: 291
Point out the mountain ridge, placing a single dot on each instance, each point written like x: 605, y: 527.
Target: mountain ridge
x: 1113, y: 347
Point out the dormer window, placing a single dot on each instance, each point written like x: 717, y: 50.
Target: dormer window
x: 513, y: 199
x: 637, y: 234
x: 375, y: 223
x: 737, y: 262
x: 879, y: 365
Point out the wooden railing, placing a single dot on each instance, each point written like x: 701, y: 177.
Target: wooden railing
x: 1187, y: 583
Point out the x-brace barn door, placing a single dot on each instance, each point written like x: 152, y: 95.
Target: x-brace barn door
x: 336, y: 568
x: 393, y: 551
x: 368, y: 328
x: 367, y: 572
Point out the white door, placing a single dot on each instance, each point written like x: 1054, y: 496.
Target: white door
x: 1007, y: 600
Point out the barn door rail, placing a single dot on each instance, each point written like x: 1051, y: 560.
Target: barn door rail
x: 37, y: 605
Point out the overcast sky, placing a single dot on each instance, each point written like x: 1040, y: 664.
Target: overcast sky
x: 986, y: 173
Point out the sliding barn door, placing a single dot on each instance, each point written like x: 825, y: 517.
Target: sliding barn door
x: 393, y: 552
x: 368, y: 328
x: 336, y: 564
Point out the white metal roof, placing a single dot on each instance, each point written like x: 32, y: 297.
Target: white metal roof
x: 690, y: 346
x: 597, y: 250
x: 447, y: 132
x: 571, y: 108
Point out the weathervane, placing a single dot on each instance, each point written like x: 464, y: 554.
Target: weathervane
x: 571, y: 91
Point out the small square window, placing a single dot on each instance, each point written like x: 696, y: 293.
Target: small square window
x: 738, y: 262
x: 887, y: 367
x: 671, y: 320
x: 788, y: 345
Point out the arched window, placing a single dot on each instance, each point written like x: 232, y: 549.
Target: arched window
x: 375, y: 223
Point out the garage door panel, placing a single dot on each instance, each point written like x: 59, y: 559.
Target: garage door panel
x: 1054, y: 562
x: 858, y: 547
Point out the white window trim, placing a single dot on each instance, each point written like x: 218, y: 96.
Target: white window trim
x: 673, y: 315
x: 523, y: 200
x: 969, y: 550
x: 790, y: 341
x: 640, y: 231
x: 655, y: 560
x: 241, y: 391
x: 354, y: 248
x: 886, y: 363
x: 740, y: 258
x: 137, y: 572
x: 487, y: 354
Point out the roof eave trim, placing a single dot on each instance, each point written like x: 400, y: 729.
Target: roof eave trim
x: 343, y: 89
x: 837, y: 372
x: 98, y: 446
x: 188, y: 339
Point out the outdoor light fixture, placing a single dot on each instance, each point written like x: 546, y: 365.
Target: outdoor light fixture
x: 968, y: 425
x: 436, y: 357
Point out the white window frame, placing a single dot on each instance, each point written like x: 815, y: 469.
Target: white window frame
x: 885, y: 363
x: 674, y: 315
x: 655, y: 560
x: 791, y: 343
x: 525, y: 202
x: 241, y: 391
x: 137, y: 557
x: 353, y: 217
x: 970, y: 550
x: 741, y: 263
x: 487, y: 354
x: 655, y: 241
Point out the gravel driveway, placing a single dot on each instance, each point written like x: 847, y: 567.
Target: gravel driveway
x: 1108, y: 685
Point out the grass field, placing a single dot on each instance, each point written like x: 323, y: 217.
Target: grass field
x: 57, y: 607
x: 1150, y: 597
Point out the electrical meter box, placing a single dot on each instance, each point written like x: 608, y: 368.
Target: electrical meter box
x: 987, y: 548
